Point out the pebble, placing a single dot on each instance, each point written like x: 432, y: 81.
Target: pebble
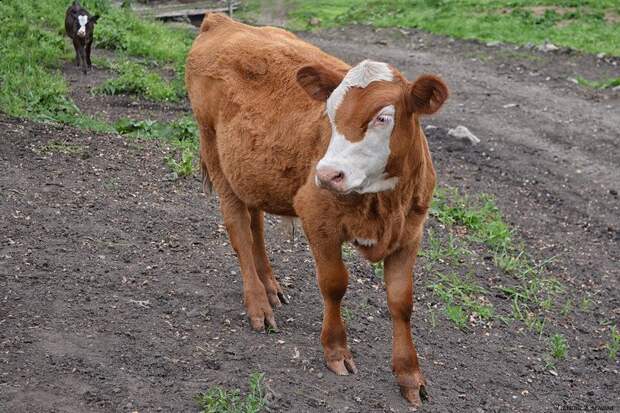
x: 461, y: 132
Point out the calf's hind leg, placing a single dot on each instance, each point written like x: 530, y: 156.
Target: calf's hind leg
x: 263, y: 267
x: 238, y: 224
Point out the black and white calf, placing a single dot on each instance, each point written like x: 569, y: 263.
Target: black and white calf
x: 80, y: 25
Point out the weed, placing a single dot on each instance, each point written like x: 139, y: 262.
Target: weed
x: 347, y: 314
x: 184, y: 167
x: 558, y: 347
x: 219, y: 400
x: 347, y: 251
x: 614, y: 343
x: 585, y: 305
x: 567, y: 307
x: 457, y: 315
x: 378, y: 269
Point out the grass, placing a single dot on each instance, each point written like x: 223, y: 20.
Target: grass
x: 34, y: 47
x: 464, y: 300
x: 599, y: 84
x: 614, y: 344
x: 181, y: 133
x: 558, y: 347
x: 135, y: 79
x: 472, y: 227
x: 587, y: 25
x: 219, y: 400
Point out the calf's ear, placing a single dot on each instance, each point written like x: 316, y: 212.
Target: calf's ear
x: 95, y: 18
x: 318, y: 81
x: 426, y: 95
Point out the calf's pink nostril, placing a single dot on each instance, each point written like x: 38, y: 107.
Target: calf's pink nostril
x: 330, y: 176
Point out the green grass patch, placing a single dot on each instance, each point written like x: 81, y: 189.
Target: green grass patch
x: 135, y: 79
x: 614, y: 344
x: 464, y: 300
x: 588, y: 25
x: 533, y: 294
x: 599, y: 84
x: 34, y: 47
x: 219, y: 400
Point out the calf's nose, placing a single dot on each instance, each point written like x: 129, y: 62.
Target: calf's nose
x: 330, y: 177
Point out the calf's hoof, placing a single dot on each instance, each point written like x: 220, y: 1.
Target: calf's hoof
x: 260, y: 312
x: 340, y: 362
x: 413, y: 388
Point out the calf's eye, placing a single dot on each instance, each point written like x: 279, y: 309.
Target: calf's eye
x: 382, y: 120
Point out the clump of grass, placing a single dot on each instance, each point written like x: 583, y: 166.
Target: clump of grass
x: 183, y: 167
x: 439, y: 251
x: 135, y: 79
x: 183, y: 132
x: 558, y: 347
x: 599, y: 84
x: 464, y: 299
x: 378, y: 269
x: 219, y: 400
x: 614, y: 343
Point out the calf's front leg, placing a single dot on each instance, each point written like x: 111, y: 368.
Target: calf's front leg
x: 333, y: 280
x: 399, y: 284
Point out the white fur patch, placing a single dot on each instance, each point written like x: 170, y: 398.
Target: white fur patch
x: 363, y: 163
x: 360, y: 75
x: 365, y: 242
x: 83, y: 20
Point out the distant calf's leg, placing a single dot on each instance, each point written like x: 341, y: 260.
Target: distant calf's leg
x: 399, y: 284
x: 88, y: 62
x: 333, y: 280
x: 76, y: 46
x: 263, y: 267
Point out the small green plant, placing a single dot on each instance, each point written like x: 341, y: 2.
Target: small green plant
x: 378, y: 269
x: 558, y: 347
x: 457, y: 315
x: 347, y: 251
x: 219, y: 400
x: 614, y: 343
x: 135, y: 79
x: 184, y: 167
x: 347, y: 314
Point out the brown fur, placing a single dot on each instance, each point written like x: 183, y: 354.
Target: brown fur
x: 258, y: 95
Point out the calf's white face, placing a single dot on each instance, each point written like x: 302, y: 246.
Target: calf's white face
x: 361, y: 164
x: 82, y: 20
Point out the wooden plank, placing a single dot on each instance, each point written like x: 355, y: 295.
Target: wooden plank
x: 183, y: 10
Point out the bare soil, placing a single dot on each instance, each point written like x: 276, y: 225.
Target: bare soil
x: 119, y: 291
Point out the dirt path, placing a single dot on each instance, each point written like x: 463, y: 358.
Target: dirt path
x: 119, y: 291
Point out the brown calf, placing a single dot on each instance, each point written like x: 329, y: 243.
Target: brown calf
x: 290, y: 130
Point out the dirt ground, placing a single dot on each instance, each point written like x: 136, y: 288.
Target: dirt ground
x: 119, y: 291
